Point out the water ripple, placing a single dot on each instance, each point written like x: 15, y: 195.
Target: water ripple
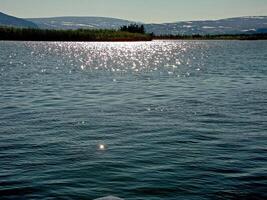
x: 178, y: 119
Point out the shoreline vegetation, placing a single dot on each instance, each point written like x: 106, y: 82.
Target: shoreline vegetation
x: 125, y: 33
x: 85, y: 35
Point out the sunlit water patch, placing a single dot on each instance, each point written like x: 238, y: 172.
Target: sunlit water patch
x: 140, y: 58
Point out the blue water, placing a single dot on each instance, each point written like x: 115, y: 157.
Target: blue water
x: 177, y: 119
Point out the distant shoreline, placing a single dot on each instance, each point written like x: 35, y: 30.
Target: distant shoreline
x: 260, y: 36
x: 81, y: 35
x: 87, y: 35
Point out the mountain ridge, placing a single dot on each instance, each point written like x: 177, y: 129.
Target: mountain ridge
x: 77, y: 22
x: 232, y: 25
x: 8, y: 20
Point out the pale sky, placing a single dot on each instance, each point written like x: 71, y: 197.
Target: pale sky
x: 156, y: 11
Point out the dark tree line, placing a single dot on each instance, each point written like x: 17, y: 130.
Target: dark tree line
x: 126, y: 33
x: 9, y: 33
x: 133, y: 28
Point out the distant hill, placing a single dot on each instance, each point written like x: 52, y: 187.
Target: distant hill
x: 7, y: 20
x: 239, y: 25
x: 79, y: 22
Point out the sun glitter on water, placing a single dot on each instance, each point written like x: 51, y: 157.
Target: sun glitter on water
x: 102, y: 147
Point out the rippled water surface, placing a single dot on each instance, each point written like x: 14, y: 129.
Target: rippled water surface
x: 149, y: 120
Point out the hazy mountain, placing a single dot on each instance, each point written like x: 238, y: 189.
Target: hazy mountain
x: 224, y: 26
x: 79, y: 22
x: 237, y: 25
x: 7, y: 20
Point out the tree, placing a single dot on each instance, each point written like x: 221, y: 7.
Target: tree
x: 133, y: 28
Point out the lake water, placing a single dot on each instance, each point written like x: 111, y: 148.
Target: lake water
x: 148, y: 120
